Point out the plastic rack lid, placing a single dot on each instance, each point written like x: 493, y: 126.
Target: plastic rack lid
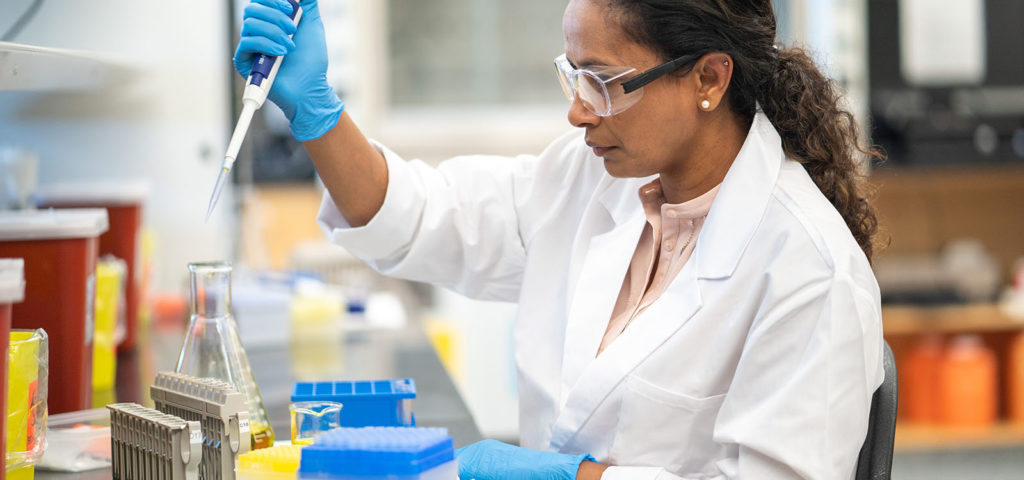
x: 401, y: 388
x: 203, y: 395
x: 278, y: 459
x: 12, y: 280
x: 147, y: 444
x: 52, y: 224
x: 376, y: 451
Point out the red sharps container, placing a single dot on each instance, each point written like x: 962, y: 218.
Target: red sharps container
x: 12, y: 290
x: 60, y: 248
x: 123, y: 202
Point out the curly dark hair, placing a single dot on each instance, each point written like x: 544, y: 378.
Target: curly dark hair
x: 803, y: 105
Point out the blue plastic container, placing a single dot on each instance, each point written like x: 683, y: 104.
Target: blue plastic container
x: 377, y: 403
x: 380, y: 453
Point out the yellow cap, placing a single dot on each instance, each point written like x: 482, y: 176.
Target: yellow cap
x: 282, y: 458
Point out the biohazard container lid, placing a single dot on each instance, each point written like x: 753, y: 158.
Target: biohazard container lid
x: 106, y: 192
x: 52, y: 224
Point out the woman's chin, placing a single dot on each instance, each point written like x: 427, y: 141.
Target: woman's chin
x: 618, y: 168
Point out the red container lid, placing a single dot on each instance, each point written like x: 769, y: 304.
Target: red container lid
x: 12, y: 280
x: 106, y: 192
x: 52, y: 224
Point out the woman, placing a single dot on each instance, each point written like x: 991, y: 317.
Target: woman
x: 691, y: 263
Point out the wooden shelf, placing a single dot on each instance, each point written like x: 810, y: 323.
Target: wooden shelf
x: 981, y: 318
x: 926, y: 437
x: 32, y: 68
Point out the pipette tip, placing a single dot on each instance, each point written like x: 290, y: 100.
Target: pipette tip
x: 215, y: 196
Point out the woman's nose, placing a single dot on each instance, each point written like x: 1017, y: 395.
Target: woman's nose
x: 580, y: 116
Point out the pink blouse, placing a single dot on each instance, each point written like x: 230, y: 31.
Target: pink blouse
x: 665, y: 245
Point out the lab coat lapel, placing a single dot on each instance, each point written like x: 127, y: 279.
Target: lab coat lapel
x: 606, y: 257
x: 644, y: 335
x: 741, y: 201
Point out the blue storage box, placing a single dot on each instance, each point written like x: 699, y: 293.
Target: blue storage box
x: 380, y: 453
x: 376, y: 403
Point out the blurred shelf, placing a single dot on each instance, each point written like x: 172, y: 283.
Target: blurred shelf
x: 930, y: 437
x: 978, y: 318
x: 31, y: 68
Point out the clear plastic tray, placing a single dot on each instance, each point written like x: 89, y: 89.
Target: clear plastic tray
x: 77, y: 441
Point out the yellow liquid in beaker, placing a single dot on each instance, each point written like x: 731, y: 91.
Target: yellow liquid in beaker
x: 262, y: 435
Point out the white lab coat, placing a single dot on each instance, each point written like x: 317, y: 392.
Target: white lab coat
x: 758, y: 362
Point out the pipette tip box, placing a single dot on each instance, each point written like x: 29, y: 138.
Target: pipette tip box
x: 377, y: 403
x: 279, y: 462
x: 379, y: 453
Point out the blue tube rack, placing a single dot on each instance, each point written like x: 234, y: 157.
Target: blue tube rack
x: 372, y: 403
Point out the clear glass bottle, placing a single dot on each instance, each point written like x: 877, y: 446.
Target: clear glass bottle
x: 212, y: 348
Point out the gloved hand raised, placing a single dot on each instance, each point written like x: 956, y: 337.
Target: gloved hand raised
x: 494, y: 460
x: 301, y: 88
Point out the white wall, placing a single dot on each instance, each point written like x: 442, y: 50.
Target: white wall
x: 169, y: 125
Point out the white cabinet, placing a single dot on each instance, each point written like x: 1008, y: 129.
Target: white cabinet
x: 31, y: 68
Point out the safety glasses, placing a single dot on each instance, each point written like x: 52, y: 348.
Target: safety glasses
x: 604, y: 91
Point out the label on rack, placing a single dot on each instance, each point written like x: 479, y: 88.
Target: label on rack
x: 196, y: 436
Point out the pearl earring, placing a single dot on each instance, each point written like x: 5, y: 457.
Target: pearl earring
x: 705, y: 104
x: 726, y: 63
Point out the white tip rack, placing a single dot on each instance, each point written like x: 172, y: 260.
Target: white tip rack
x: 218, y: 407
x: 150, y: 445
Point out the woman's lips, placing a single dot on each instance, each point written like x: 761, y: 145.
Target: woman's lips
x: 599, y: 150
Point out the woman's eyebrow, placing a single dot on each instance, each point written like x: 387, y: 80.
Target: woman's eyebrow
x: 586, y: 62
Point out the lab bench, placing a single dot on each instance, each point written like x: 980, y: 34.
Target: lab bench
x: 360, y: 355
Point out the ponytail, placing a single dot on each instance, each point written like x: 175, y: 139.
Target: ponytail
x: 805, y: 107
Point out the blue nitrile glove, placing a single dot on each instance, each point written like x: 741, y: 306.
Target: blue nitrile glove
x: 301, y: 88
x: 493, y: 460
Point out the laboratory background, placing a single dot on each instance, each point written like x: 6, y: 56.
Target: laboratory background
x: 115, y: 116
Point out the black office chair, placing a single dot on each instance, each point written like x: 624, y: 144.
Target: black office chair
x: 875, y: 459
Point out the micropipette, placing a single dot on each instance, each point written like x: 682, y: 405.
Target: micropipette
x: 257, y: 86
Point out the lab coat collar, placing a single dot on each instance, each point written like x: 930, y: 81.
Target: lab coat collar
x: 741, y: 202
x: 738, y: 206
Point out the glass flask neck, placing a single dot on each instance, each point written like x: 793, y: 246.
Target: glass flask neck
x: 211, y: 289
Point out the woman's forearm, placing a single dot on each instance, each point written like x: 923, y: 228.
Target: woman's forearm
x: 355, y: 173
x: 590, y: 471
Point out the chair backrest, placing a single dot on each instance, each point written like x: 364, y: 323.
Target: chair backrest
x: 875, y: 460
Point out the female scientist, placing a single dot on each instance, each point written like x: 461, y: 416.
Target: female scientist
x: 691, y: 263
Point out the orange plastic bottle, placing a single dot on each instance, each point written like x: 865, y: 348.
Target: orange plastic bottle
x: 919, y: 380
x: 968, y: 383
x: 1015, y: 379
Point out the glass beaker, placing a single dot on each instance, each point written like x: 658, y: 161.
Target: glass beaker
x: 212, y: 348
x: 310, y: 419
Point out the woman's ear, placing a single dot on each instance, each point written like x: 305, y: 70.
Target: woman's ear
x: 714, y: 72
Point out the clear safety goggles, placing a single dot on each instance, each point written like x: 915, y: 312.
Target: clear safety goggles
x: 605, y: 91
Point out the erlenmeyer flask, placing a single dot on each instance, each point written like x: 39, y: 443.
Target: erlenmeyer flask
x: 212, y: 348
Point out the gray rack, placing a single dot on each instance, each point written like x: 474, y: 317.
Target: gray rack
x: 221, y: 411
x: 149, y: 445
